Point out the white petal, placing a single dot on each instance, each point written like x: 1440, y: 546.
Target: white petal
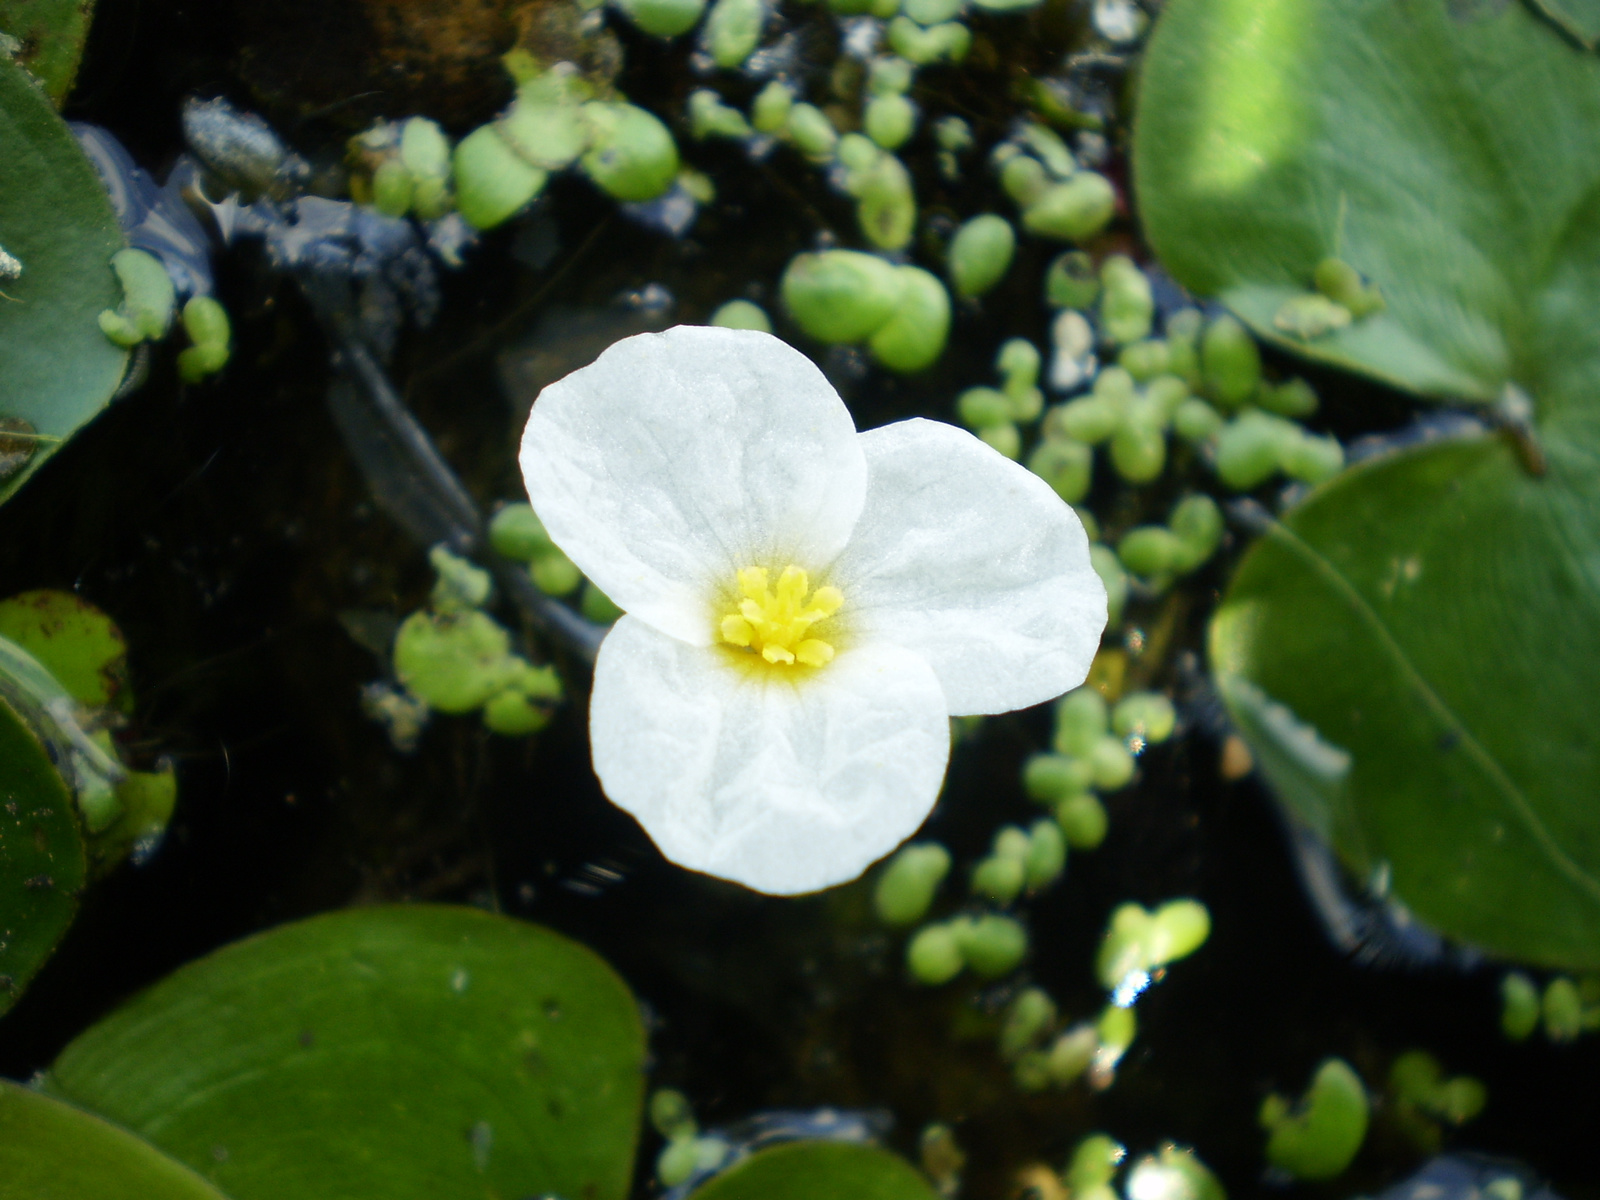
x: 677, y: 458
x: 974, y: 563
x: 785, y: 784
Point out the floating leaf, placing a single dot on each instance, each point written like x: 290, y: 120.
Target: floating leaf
x: 1434, y: 614
x: 813, y: 1170
x: 1579, y: 19
x: 58, y: 369
x: 1453, y: 163
x: 74, y: 641
x: 1435, y: 617
x: 52, y: 33
x: 42, y: 858
x: 390, y: 1053
x: 49, y: 1149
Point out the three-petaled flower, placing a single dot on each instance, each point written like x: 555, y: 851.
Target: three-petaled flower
x: 805, y: 606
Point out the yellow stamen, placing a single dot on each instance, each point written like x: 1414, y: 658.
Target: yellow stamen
x: 776, y: 623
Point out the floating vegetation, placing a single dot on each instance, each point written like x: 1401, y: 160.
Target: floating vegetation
x: 1039, y: 692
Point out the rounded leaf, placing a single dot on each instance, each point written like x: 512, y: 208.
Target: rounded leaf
x: 56, y: 222
x: 42, y: 856
x: 633, y: 156
x: 74, y: 641
x: 52, y: 1151
x: 812, y: 1170
x: 1410, y: 654
x: 383, y: 1053
x: 841, y: 295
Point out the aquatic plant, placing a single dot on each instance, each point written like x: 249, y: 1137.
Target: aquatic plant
x: 1269, y: 181
x: 763, y: 727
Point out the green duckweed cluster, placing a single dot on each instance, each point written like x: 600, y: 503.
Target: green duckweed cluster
x: 515, y: 532
x: 401, y: 168
x: 1318, y: 1137
x: 1340, y: 297
x: 1139, y: 944
x: 453, y: 657
x: 1172, y: 1172
x: 148, y: 299
x: 900, y: 313
x: 149, y: 302
x: 1424, y: 1103
x: 994, y: 414
x: 557, y: 122
x: 685, y: 1151
x: 991, y: 945
x: 980, y: 254
x: 1567, y: 1008
x: 1137, y: 948
x: 210, y: 336
x: 1160, y: 554
x: 1056, y: 198
x: 1092, y: 751
x: 1043, y: 1054
x: 1202, y: 381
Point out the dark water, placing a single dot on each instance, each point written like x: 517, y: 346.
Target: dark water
x: 226, y: 529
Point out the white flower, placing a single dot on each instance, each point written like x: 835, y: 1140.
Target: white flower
x: 805, y: 605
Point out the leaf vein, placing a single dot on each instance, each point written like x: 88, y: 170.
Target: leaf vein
x: 1487, y: 763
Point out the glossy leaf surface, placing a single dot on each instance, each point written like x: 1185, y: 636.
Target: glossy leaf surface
x: 42, y: 857
x: 388, y: 1053
x: 52, y: 1151
x: 1578, y: 19
x: 52, y: 33
x: 812, y: 1170
x: 1411, y: 651
x: 1449, y: 159
x: 58, y: 369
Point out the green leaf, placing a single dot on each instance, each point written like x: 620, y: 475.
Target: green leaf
x: 1411, y: 651
x: 396, y: 1053
x: 815, y: 1170
x: 1579, y: 19
x: 56, y: 221
x: 52, y: 1151
x: 74, y: 641
x: 1435, y: 617
x: 1453, y: 162
x: 52, y: 33
x: 42, y: 858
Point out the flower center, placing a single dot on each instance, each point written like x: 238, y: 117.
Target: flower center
x: 776, y: 623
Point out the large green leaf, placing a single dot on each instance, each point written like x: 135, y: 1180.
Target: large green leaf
x: 1435, y: 616
x: 1452, y: 161
x: 1412, y: 650
x: 52, y: 1151
x: 819, y: 1171
x: 57, y: 370
x: 385, y: 1053
x: 42, y: 858
x: 52, y: 33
